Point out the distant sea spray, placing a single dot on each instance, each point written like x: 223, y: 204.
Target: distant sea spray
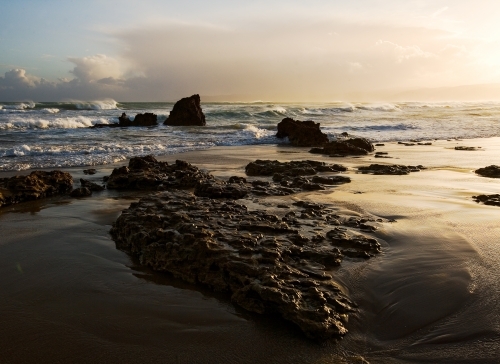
x: 57, y: 134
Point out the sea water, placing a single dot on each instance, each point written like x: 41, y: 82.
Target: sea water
x: 58, y: 134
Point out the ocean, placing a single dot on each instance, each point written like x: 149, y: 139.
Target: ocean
x: 57, y: 134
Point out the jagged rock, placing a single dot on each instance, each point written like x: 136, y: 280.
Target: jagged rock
x: 293, y: 168
x: 492, y: 171
x: 354, y: 146
x: 146, y: 119
x: 81, y: 192
x: 465, y: 148
x: 146, y: 173
x: 301, y: 133
x: 493, y: 200
x: 393, y: 169
x: 267, y: 263
x: 36, y: 185
x: 187, y: 111
x: 91, y: 185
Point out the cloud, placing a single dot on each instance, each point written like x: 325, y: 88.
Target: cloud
x: 278, y: 60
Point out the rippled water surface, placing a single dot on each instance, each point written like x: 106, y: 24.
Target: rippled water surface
x: 47, y: 135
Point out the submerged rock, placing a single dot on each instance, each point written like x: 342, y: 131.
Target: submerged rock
x: 394, y: 169
x: 354, y: 146
x: 36, y: 185
x: 187, y: 111
x: 490, y: 171
x: 301, y: 133
x: 267, y: 263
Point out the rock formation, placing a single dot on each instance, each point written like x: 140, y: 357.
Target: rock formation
x: 268, y: 263
x: 146, y: 173
x: 36, y: 185
x: 492, y: 200
x: 301, y: 133
x: 490, y: 171
x: 293, y: 168
x: 146, y: 119
x: 186, y: 112
x: 354, y: 146
x: 393, y: 169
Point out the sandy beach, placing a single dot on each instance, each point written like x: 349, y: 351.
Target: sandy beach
x: 68, y: 295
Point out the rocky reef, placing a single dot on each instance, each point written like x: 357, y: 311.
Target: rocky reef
x: 187, y: 111
x: 301, y: 133
x: 490, y: 171
x: 392, y: 169
x: 36, y: 185
x: 270, y: 263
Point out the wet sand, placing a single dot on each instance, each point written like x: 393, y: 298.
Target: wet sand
x: 68, y: 295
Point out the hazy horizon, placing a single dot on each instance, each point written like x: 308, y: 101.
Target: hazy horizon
x: 280, y: 50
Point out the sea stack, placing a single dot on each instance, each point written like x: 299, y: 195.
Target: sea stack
x: 186, y: 112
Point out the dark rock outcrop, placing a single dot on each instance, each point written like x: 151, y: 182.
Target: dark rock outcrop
x: 36, y: 185
x: 146, y: 173
x: 490, y: 171
x: 492, y: 200
x: 81, y: 192
x: 392, y: 169
x: 267, y: 263
x: 91, y: 185
x: 301, y: 133
x: 469, y: 149
x: 354, y: 146
x: 293, y: 168
x: 90, y: 171
x: 187, y: 111
x: 146, y: 119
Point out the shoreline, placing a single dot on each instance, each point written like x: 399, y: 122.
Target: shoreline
x: 399, y: 292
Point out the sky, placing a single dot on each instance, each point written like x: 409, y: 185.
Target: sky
x: 315, y: 50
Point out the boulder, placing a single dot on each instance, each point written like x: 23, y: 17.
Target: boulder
x: 301, y: 133
x: 36, y: 185
x: 186, y: 112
